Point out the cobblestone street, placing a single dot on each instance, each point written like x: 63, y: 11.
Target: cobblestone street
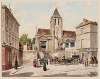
x: 53, y: 71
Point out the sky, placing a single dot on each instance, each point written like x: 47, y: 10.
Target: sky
x: 36, y: 13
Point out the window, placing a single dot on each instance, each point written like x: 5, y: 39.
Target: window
x: 58, y: 21
x: 81, y: 30
x: 43, y: 44
x: 55, y: 21
x: 72, y: 44
x: 67, y: 45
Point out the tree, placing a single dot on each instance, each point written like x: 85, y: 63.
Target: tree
x: 33, y: 41
x: 29, y: 41
x: 29, y: 44
x: 23, y: 39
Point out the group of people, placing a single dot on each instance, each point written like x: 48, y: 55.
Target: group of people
x: 94, y: 60
x: 40, y: 62
x: 90, y: 61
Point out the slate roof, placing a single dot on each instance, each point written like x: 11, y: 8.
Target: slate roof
x: 56, y: 13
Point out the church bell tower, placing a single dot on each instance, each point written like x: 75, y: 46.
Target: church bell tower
x: 56, y: 25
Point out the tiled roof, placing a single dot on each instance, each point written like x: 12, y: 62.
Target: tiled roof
x: 43, y: 31
x: 69, y: 34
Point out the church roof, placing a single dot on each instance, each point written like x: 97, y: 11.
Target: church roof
x: 65, y: 33
x: 56, y: 13
x: 43, y: 31
x: 69, y: 33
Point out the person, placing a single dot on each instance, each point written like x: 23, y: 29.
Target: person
x: 47, y: 61
x: 86, y: 62
x: 95, y: 60
x: 92, y: 60
x: 44, y: 66
x: 16, y: 64
x: 34, y: 63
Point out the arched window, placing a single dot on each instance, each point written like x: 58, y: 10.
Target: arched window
x: 55, y: 21
x: 43, y: 44
x: 72, y: 44
x: 67, y: 45
x: 58, y: 21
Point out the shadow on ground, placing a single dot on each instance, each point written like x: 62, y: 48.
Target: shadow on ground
x: 66, y: 75
x: 27, y: 74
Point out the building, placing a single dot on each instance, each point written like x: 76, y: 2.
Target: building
x: 55, y: 38
x: 20, y: 55
x: 86, y: 39
x: 69, y: 43
x: 9, y: 38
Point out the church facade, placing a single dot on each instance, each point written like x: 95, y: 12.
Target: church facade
x: 66, y: 44
x: 55, y: 38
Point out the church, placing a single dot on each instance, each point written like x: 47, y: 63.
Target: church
x: 55, y: 38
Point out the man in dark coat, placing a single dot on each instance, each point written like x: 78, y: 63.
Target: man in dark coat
x: 44, y: 66
x: 34, y: 63
x: 16, y: 64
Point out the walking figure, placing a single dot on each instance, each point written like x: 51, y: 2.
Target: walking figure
x: 16, y: 64
x: 92, y: 60
x: 96, y: 61
x: 34, y: 63
x: 86, y: 62
x: 47, y: 61
x: 44, y: 66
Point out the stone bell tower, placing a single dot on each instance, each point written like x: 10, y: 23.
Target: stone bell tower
x: 56, y: 29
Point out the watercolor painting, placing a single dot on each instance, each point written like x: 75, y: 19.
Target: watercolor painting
x: 49, y: 38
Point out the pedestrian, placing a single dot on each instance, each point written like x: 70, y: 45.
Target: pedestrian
x: 92, y: 60
x: 95, y: 60
x: 87, y: 61
x: 47, y: 61
x: 44, y: 66
x: 34, y: 63
x: 16, y: 64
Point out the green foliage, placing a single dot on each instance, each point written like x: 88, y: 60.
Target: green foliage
x: 29, y: 41
x: 23, y: 39
x: 33, y: 41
